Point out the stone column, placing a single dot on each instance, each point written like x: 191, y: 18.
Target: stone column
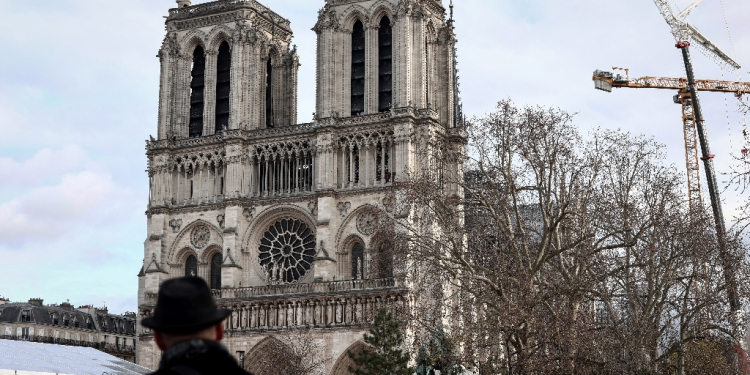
x: 342, y: 76
x: 235, y: 87
x: 254, y: 88
x: 401, y: 162
x: 402, y: 55
x: 181, y: 120
x: 166, y: 87
x: 292, y: 81
x: 371, y: 68
x: 344, y: 106
x: 417, y: 68
x: 209, y: 93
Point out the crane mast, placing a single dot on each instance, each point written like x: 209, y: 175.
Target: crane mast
x: 683, y: 33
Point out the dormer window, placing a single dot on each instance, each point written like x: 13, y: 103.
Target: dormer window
x: 76, y: 323
x: 66, y: 321
x: 26, y: 316
x: 88, y: 324
x: 55, y: 318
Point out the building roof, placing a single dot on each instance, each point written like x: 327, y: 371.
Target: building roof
x: 11, y: 312
x: 108, y: 323
x: 58, y: 359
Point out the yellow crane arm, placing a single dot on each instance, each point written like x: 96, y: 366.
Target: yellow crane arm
x: 605, y: 81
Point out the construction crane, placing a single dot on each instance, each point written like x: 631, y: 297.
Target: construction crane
x: 606, y: 81
x: 683, y: 34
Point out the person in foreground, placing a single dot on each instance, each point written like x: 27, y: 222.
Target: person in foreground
x: 188, y: 327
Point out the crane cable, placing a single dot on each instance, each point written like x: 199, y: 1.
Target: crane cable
x: 743, y: 123
x: 729, y: 33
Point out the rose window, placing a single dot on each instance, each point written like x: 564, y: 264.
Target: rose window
x: 287, y: 251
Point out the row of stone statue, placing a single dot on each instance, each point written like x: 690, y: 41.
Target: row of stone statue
x: 312, y: 312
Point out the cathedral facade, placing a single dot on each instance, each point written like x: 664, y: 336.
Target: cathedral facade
x: 280, y: 217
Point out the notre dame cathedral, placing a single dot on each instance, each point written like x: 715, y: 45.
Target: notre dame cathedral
x: 280, y: 217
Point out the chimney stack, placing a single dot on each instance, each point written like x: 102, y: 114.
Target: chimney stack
x: 66, y: 306
x: 36, y: 302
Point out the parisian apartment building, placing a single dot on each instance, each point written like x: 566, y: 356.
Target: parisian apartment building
x: 64, y: 324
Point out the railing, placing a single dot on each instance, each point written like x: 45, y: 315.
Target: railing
x: 232, y: 133
x: 305, y: 289
x: 109, y: 347
x: 302, y: 306
x: 222, y: 5
x: 289, y: 290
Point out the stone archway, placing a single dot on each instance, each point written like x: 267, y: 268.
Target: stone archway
x: 341, y: 367
x: 268, y: 357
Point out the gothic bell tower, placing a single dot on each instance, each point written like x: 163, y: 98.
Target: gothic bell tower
x: 222, y: 73
x: 377, y: 55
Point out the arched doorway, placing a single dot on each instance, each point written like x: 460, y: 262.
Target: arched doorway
x: 341, y: 367
x: 268, y: 357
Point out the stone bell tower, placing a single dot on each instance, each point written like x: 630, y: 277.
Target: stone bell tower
x: 281, y: 217
x: 376, y: 55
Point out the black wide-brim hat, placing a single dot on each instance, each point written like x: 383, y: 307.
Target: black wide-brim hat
x: 185, y: 306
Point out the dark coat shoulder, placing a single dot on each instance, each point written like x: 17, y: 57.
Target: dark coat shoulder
x: 204, y: 357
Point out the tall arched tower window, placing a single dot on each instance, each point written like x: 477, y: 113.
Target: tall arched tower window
x: 223, y: 67
x: 191, y: 266
x: 196, y: 93
x: 358, y: 261
x: 216, y: 271
x: 269, y: 93
x: 385, y: 65
x: 358, y: 69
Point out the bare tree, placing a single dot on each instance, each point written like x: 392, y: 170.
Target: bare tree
x: 293, y: 352
x: 555, y: 253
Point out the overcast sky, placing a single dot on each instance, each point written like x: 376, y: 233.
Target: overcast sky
x: 79, y: 88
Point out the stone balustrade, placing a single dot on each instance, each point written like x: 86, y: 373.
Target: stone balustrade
x: 314, y: 305
x: 225, y: 5
x: 221, y: 137
x: 294, y: 290
x: 308, y: 289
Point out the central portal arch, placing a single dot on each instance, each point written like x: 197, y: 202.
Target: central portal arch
x: 268, y: 357
x: 341, y: 367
